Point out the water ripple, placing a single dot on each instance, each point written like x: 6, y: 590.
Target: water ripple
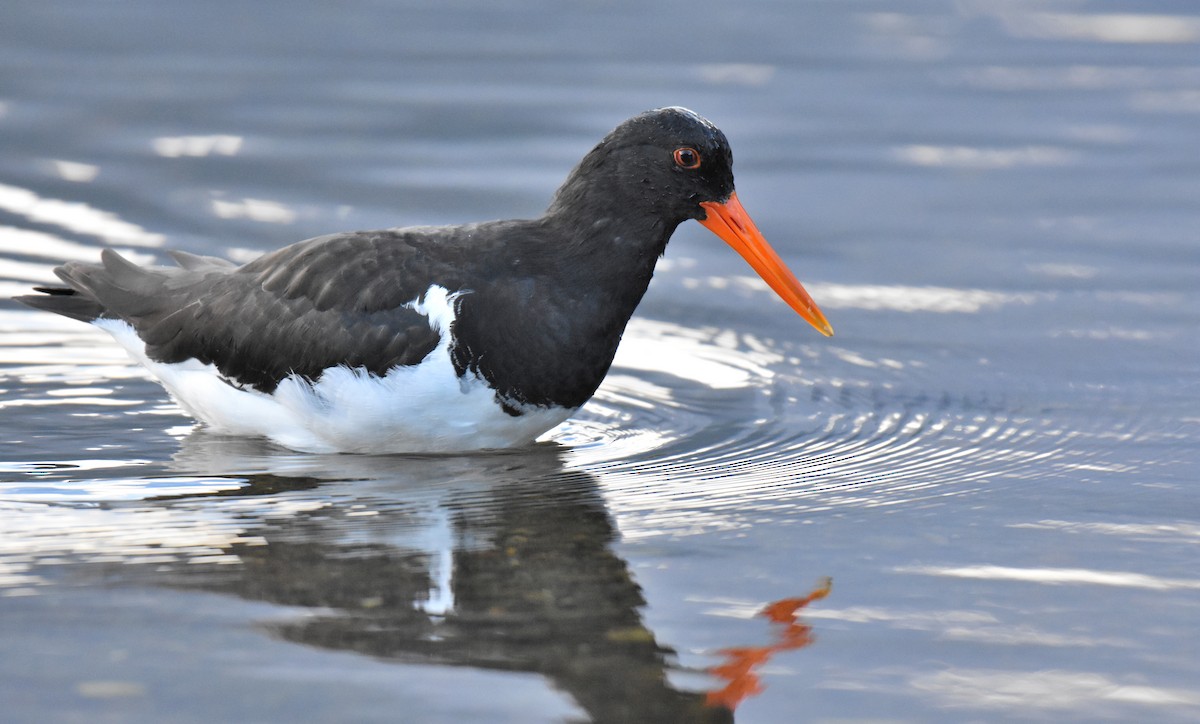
x: 828, y: 434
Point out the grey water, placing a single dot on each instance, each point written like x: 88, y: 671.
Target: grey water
x: 977, y: 502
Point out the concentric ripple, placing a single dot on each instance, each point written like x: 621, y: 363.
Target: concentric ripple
x: 701, y: 428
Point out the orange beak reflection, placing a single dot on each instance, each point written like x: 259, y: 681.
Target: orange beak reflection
x: 731, y: 222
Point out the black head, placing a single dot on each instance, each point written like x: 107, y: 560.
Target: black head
x: 650, y: 174
x: 664, y: 162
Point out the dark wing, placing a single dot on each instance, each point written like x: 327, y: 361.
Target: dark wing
x: 334, y: 300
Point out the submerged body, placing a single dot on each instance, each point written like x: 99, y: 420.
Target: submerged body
x: 429, y: 339
x: 423, y: 407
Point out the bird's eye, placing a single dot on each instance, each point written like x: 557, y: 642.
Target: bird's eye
x: 688, y: 158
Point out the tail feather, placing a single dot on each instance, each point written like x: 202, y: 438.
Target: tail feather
x: 67, y: 302
x: 196, y: 262
x: 114, y: 288
x: 126, y: 289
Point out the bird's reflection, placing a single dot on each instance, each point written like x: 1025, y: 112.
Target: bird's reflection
x: 500, y: 561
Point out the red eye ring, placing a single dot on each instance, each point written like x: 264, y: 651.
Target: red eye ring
x: 687, y: 157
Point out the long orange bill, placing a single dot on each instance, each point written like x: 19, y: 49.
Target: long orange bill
x: 731, y: 222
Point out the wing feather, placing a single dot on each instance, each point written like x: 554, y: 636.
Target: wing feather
x: 329, y: 301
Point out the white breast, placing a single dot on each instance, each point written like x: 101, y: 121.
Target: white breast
x: 411, y: 409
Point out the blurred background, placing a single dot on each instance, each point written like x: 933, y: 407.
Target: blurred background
x: 997, y: 205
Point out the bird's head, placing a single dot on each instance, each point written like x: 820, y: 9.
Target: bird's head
x: 677, y: 165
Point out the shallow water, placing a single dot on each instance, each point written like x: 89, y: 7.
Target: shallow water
x: 994, y: 461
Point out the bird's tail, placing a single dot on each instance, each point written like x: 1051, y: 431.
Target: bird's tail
x: 65, y: 301
x: 121, y: 284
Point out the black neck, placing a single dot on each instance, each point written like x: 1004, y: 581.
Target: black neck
x: 551, y: 332
x: 615, y: 229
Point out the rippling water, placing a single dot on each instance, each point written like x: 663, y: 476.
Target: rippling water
x: 994, y: 461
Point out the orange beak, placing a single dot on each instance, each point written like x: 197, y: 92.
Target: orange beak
x: 731, y: 222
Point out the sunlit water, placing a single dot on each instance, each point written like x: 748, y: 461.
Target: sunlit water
x: 994, y: 460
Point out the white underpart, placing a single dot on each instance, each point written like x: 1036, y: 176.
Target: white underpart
x: 418, y: 408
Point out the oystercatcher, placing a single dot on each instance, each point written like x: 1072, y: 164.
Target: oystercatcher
x: 428, y: 339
